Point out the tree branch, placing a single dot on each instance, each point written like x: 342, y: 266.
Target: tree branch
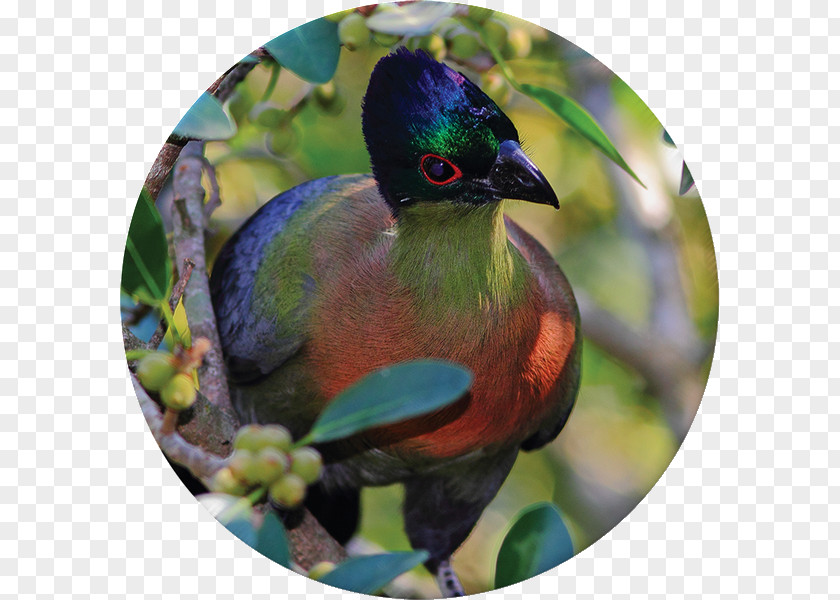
x: 188, y: 240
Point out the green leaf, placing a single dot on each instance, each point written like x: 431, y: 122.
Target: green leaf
x: 414, y: 19
x: 146, y: 264
x: 389, y: 395
x: 686, y: 180
x: 272, y: 540
x: 243, y: 529
x: 309, y: 51
x: 206, y: 120
x: 536, y: 542
x: 666, y: 137
x: 368, y: 574
x: 579, y: 120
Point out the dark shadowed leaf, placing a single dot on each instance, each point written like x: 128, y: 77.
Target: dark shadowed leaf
x: 309, y: 51
x: 686, y: 180
x: 414, y: 19
x: 390, y: 395
x: 536, y: 542
x: 368, y: 574
x: 243, y: 529
x: 272, y: 541
x: 206, y: 120
x: 666, y: 137
x: 579, y: 120
x: 146, y: 264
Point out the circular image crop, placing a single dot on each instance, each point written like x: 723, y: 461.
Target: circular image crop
x: 419, y: 299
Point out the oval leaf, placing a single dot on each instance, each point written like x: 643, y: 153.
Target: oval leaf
x: 272, y: 540
x: 536, y: 542
x: 579, y: 120
x: 206, y: 120
x: 368, y: 574
x: 310, y: 51
x: 146, y: 265
x: 389, y: 395
x: 418, y: 18
x: 243, y: 529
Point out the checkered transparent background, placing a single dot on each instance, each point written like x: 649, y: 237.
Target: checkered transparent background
x: 88, y: 93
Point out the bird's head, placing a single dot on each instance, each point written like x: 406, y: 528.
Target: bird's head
x: 434, y: 136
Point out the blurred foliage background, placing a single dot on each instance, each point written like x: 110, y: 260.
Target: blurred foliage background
x: 605, y: 236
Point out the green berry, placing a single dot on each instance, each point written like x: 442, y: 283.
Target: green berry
x: 519, y: 41
x: 339, y: 16
x: 267, y: 115
x: 248, y: 438
x: 307, y: 463
x: 288, y: 491
x: 496, y: 32
x: 276, y: 436
x: 224, y: 482
x: 497, y: 88
x: 155, y: 370
x: 385, y: 39
x: 435, y: 46
x: 179, y: 392
x: 464, y: 46
x: 320, y: 569
x: 271, y: 464
x: 243, y: 465
x: 282, y: 140
x: 328, y: 100
x: 479, y: 14
x: 353, y: 31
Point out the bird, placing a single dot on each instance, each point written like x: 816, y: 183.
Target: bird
x: 343, y: 275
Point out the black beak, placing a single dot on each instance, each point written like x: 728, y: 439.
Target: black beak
x: 515, y: 176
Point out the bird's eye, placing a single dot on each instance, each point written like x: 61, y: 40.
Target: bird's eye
x: 438, y: 170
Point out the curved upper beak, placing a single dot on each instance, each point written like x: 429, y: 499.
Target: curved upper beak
x: 515, y: 176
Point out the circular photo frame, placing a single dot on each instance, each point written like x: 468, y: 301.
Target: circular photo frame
x: 419, y: 299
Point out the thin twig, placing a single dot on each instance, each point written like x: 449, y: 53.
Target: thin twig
x: 199, y: 462
x: 174, y: 299
x: 188, y: 240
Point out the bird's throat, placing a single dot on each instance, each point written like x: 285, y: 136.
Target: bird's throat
x: 457, y: 256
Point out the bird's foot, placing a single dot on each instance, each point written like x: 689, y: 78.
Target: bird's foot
x: 448, y: 582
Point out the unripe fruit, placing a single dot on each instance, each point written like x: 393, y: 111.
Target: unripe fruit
x: 497, y: 33
x: 155, y: 370
x: 243, y: 465
x: 248, y: 438
x: 288, y: 491
x: 320, y: 569
x: 519, y: 41
x: 339, y: 16
x: 275, y: 436
x: 224, y: 482
x: 267, y: 114
x: 385, y: 39
x: 479, y: 14
x: 282, y: 140
x: 435, y: 46
x: 353, y: 31
x: 179, y: 392
x: 271, y: 464
x: 497, y: 88
x: 307, y: 463
x: 328, y: 99
x: 464, y: 46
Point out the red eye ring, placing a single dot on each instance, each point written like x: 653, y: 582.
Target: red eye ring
x: 451, y: 172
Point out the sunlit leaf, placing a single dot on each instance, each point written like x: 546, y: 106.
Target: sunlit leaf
x: 146, y: 264
x: 310, y: 51
x: 368, y: 574
x: 414, y: 19
x: 390, y: 395
x: 686, y: 180
x: 206, y: 120
x: 272, y: 540
x: 579, y: 120
x: 536, y: 542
